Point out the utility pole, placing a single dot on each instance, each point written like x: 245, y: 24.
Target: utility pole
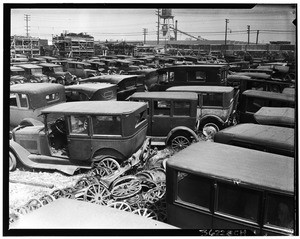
x: 248, y: 31
x: 226, y: 22
x: 145, y: 31
x: 176, y: 30
x: 27, y: 18
x: 157, y: 13
x: 257, y: 36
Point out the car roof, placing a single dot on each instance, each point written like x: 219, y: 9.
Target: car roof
x: 275, y: 115
x: 79, y: 62
x: 49, y: 65
x: 95, y: 107
x: 269, y: 94
x: 115, y: 79
x: 90, y: 86
x: 202, y: 88
x: 269, y: 135
x: 16, y: 68
x: 35, y: 88
x: 65, y: 213
x: 236, y: 164
x: 165, y: 95
x: 29, y: 66
x: 216, y: 66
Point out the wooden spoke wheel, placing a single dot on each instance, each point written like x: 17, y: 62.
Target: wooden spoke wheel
x: 123, y: 179
x: 100, y: 172
x: 82, y: 183
x: 108, y: 163
x: 46, y: 199
x: 34, y: 204
x: 126, y: 190
x: 134, y: 201
x: 155, y: 194
x: 23, y: 210
x: 68, y: 193
x: 145, y: 212
x: 57, y: 193
x: 180, y: 142
x: 97, y: 193
x: 121, y: 206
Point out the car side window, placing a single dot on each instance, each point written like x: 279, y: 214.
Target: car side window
x: 193, y: 190
x: 162, y: 107
x: 279, y: 211
x: 212, y: 99
x: 106, y: 125
x: 182, y: 108
x: 238, y: 201
x: 23, y: 100
x: 13, y: 100
x: 79, y: 124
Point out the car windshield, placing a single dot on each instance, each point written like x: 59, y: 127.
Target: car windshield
x: 58, y: 69
x: 36, y: 71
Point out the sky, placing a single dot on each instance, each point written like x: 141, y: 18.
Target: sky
x: 274, y: 22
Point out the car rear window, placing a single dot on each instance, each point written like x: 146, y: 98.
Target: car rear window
x: 238, y: 201
x: 106, y: 125
x: 212, y: 99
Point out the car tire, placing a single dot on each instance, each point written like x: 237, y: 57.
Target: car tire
x: 180, y: 140
x: 61, y: 81
x: 12, y: 161
x: 209, y: 128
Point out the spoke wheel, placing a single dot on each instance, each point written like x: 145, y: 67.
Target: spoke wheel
x: 209, y: 130
x: 122, y: 180
x: 108, y: 163
x: 126, y: 190
x: 121, y: 206
x: 180, y: 142
x: 145, y: 212
x: 23, y: 210
x: 12, y: 161
x: 100, y: 172
x: 155, y: 194
x: 46, y: 199
x: 97, y: 193
x: 34, y: 204
x: 57, y: 193
x: 82, y: 183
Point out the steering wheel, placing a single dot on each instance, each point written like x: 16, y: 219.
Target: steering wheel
x: 60, y: 125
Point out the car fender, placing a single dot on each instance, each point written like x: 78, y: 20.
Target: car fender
x: 213, y: 118
x: 107, y: 152
x: 182, y: 128
x: 20, y: 152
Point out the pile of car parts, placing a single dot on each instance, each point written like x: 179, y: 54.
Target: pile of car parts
x: 140, y: 190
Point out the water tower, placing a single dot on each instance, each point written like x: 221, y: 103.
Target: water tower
x: 166, y: 21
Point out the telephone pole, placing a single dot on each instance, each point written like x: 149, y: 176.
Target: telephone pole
x: 157, y: 13
x: 257, y: 36
x: 145, y: 32
x: 226, y: 22
x: 27, y: 18
x: 248, y: 31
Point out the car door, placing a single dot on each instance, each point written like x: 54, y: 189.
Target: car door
x: 161, y: 122
x: 79, y: 139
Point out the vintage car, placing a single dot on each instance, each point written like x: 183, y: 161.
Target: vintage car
x: 56, y: 71
x: 267, y: 138
x: 34, y: 73
x: 27, y: 100
x: 150, y: 76
x: 65, y: 213
x: 216, y: 105
x: 127, y: 84
x: 81, y: 134
x: 191, y: 75
x: 91, y: 91
x: 17, y: 75
x: 247, y: 83
x: 99, y: 67
x: 252, y: 100
x: 172, y: 117
x: 278, y: 116
x: 217, y: 186
x: 80, y: 69
x: 123, y: 66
